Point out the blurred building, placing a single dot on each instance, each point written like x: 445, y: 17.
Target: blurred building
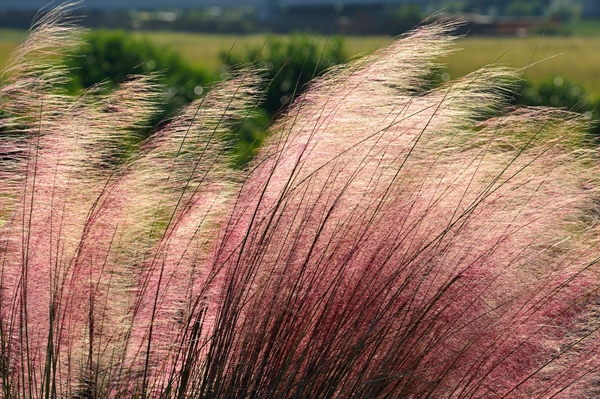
x: 337, y: 16
x: 34, y: 5
x: 476, y: 24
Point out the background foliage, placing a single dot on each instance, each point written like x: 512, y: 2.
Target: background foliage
x: 560, y: 93
x: 108, y: 57
x: 288, y: 65
x: 189, y: 62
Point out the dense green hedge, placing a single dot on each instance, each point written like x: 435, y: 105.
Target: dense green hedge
x: 111, y: 56
x: 562, y: 93
x: 288, y: 65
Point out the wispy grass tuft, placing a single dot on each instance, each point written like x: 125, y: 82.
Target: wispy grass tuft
x: 389, y: 240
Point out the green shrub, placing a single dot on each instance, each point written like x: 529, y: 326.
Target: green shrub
x: 562, y: 93
x: 111, y: 56
x: 289, y: 64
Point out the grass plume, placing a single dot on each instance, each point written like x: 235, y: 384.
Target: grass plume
x: 389, y: 240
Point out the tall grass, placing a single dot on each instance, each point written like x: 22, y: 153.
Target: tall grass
x: 389, y: 240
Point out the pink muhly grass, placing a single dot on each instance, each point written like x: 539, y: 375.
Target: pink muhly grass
x: 389, y: 240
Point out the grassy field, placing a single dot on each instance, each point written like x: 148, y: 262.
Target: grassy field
x: 9, y: 39
x: 573, y: 58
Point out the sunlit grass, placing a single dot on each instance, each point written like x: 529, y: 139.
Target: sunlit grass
x: 390, y: 239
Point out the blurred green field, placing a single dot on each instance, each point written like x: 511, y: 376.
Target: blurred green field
x: 9, y: 39
x: 574, y: 58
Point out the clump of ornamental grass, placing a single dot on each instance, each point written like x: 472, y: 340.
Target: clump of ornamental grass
x: 389, y: 240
